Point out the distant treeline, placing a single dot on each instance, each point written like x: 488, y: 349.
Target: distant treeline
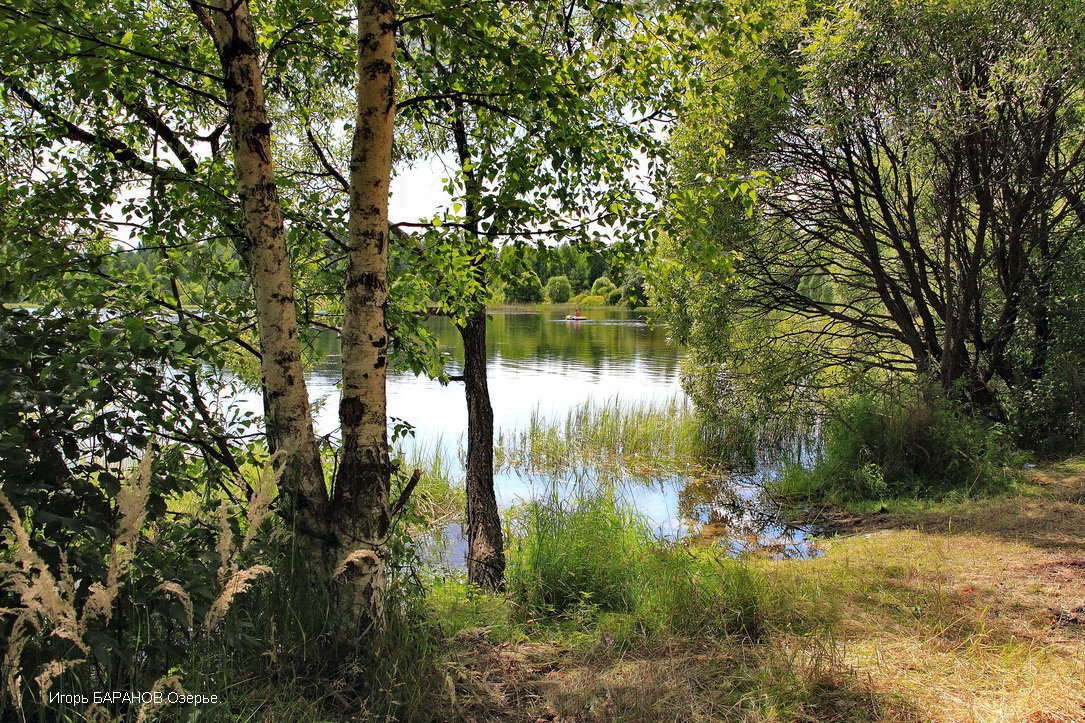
x: 570, y: 274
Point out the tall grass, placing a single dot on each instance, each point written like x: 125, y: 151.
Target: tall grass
x: 571, y: 553
x: 906, y: 442
x: 589, y: 558
x: 439, y: 496
x: 280, y: 657
x: 642, y: 439
x: 121, y: 624
x: 212, y: 603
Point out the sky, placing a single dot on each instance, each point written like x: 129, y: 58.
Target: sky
x: 418, y: 191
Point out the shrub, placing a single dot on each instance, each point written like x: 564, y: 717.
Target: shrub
x: 591, y: 300
x: 558, y: 289
x: 910, y: 443
x: 524, y: 289
x: 602, y: 287
x: 1049, y: 414
x: 131, y: 563
x: 614, y: 297
x: 130, y: 613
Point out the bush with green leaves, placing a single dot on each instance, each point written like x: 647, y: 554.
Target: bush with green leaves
x: 602, y: 287
x: 81, y: 398
x: 132, y: 559
x: 907, y: 442
x: 1049, y: 414
x: 524, y: 289
x: 98, y: 440
x: 558, y: 289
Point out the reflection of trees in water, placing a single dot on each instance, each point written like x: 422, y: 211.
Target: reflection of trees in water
x: 736, y: 515
x: 730, y: 505
x: 521, y: 336
x: 538, y: 336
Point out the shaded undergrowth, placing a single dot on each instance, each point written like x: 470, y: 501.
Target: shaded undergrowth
x: 905, y: 443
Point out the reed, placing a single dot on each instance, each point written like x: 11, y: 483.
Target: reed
x: 567, y: 554
x: 95, y: 621
x: 589, y: 554
x: 649, y: 440
x: 439, y: 496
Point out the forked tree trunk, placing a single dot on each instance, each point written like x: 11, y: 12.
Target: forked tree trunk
x: 344, y: 535
x: 289, y: 420
x: 360, y: 503
x: 485, y: 547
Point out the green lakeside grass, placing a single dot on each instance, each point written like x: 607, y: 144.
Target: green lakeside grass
x: 646, y: 440
x: 894, y: 625
x: 602, y: 620
x: 439, y: 498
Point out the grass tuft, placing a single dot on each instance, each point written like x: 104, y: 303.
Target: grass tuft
x: 905, y: 444
x: 642, y: 439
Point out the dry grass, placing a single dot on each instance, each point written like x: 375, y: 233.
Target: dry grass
x: 971, y: 612
x: 965, y: 628
x: 49, y: 604
x: 974, y: 611
x: 789, y: 679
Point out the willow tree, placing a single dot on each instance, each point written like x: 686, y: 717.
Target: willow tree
x: 920, y: 168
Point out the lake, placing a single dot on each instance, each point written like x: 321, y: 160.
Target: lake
x: 537, y: 361
x: 541, y: 365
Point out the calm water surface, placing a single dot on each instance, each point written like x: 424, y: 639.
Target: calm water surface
x: 536, y: 360
x: 540, y: 363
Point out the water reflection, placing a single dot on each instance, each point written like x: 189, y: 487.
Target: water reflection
x: 539, y: 364
x: 535, y: 361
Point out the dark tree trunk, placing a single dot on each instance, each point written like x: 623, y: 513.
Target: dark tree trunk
x: 485, y: 547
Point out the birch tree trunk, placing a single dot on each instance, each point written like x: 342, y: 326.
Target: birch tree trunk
x: 345, y: 533
x: 360, y: 499
x: 289, y: 419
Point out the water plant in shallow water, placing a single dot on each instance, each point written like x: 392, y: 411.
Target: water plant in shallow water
x: 642, y: 439
x: 438, y: 497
